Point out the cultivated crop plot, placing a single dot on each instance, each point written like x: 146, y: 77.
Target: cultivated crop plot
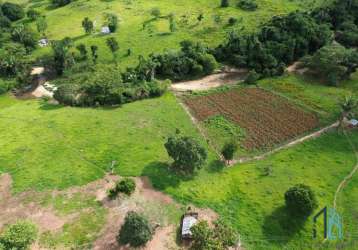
x: 268, y: 119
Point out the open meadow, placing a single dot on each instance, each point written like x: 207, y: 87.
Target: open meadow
x: 97, y: 133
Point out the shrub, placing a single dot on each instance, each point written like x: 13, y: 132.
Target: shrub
x: 24, y: 35
x: 60, y: 3
x: 32, y: 14
x: 19, y: 235
x: 13, y: 11
x: 224, y: 3
x: 300, y: 200
x: 135, y: 231
x: 229, y: 150
x: 5, y: 22
x: 155, y: 12
x: 126, y: 186
x: 232, y: 21
x: 208, y: 62
x: 187, y: 153
x: 220, y: 237
x: 333, y: 62
x: 250, y: 5
x: 252, y: 77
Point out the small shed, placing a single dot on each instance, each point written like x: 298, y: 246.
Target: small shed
x: 188, y: 221
x: 43, y: 42
x: 353, y: 123
x: 105, y: 30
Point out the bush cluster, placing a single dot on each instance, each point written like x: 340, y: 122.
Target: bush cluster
x: 126, y: 186
x: 193, y: 60
x: 18, y: 236
x: 104, y: 86
x: 12, y: 11
x: 300, y: 200
x: 249, y: 5
x: 220, y: 237
x: 280, y: 42
x: 187, y: 153
x: 135, y: 231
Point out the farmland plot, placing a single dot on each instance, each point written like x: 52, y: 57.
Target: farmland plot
x: 267, y: 119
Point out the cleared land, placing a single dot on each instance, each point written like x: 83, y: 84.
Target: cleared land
x: 267, y: 119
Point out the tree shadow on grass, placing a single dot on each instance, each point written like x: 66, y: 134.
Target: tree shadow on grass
x: 280, y: 227
x: 161, y: 176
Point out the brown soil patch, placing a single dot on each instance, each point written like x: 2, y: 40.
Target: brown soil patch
x: 145, y: 200
x: 229, y: 77
x: 268, y: 119
x: 13, y: 208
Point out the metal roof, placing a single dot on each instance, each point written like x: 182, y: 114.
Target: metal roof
x: 188, y: 223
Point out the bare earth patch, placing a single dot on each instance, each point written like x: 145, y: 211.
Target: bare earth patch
x: 145, y: 200
x: 13, y: 208
x: 228, y: 77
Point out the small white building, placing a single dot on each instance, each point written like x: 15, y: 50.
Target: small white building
x: 43, y: 42
x: 353, y: 123
x: 188, y: 221
x: 105, y: 30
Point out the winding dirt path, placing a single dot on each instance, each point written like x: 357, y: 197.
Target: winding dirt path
x: 346, y: 179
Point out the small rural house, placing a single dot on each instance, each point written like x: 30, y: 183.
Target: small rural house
x: 353, y: 123
x: 188, y: 221
x: 43, y: 42
x: 105, y: 30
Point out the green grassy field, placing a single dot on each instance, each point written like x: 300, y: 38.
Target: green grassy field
x: 46, y: 146
x: 66, y: 21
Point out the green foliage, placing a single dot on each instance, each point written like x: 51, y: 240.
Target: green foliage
x: 41, y: 25
x: 12, y: 11
x: 187, y: 153
x: 126, y: 186
x: 249, y: 5
x: 300, y: 200
x: 62, y: 59
x: 224, y: 3
x: 220, y: 237
x: 32, y: 14
x: 334, y: 63
x: 155, y: 12
x: 135, y: 231
x: 193, y: 60
x: 13, y: 60
x: 252, y: 77
x: 18, y: 236
x: 113, y: 46
x: 232, y: 21
x: 60, y: 3
x: 104, y: 86
x: 280, y: 42
x: 111, y: 21
x: 229, y: 150
x: 94, y: 53
x: 87, y: 25
x: 24, y: 35
x: 83, y: 51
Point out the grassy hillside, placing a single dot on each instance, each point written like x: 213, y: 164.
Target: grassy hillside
x: 66, y: 21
